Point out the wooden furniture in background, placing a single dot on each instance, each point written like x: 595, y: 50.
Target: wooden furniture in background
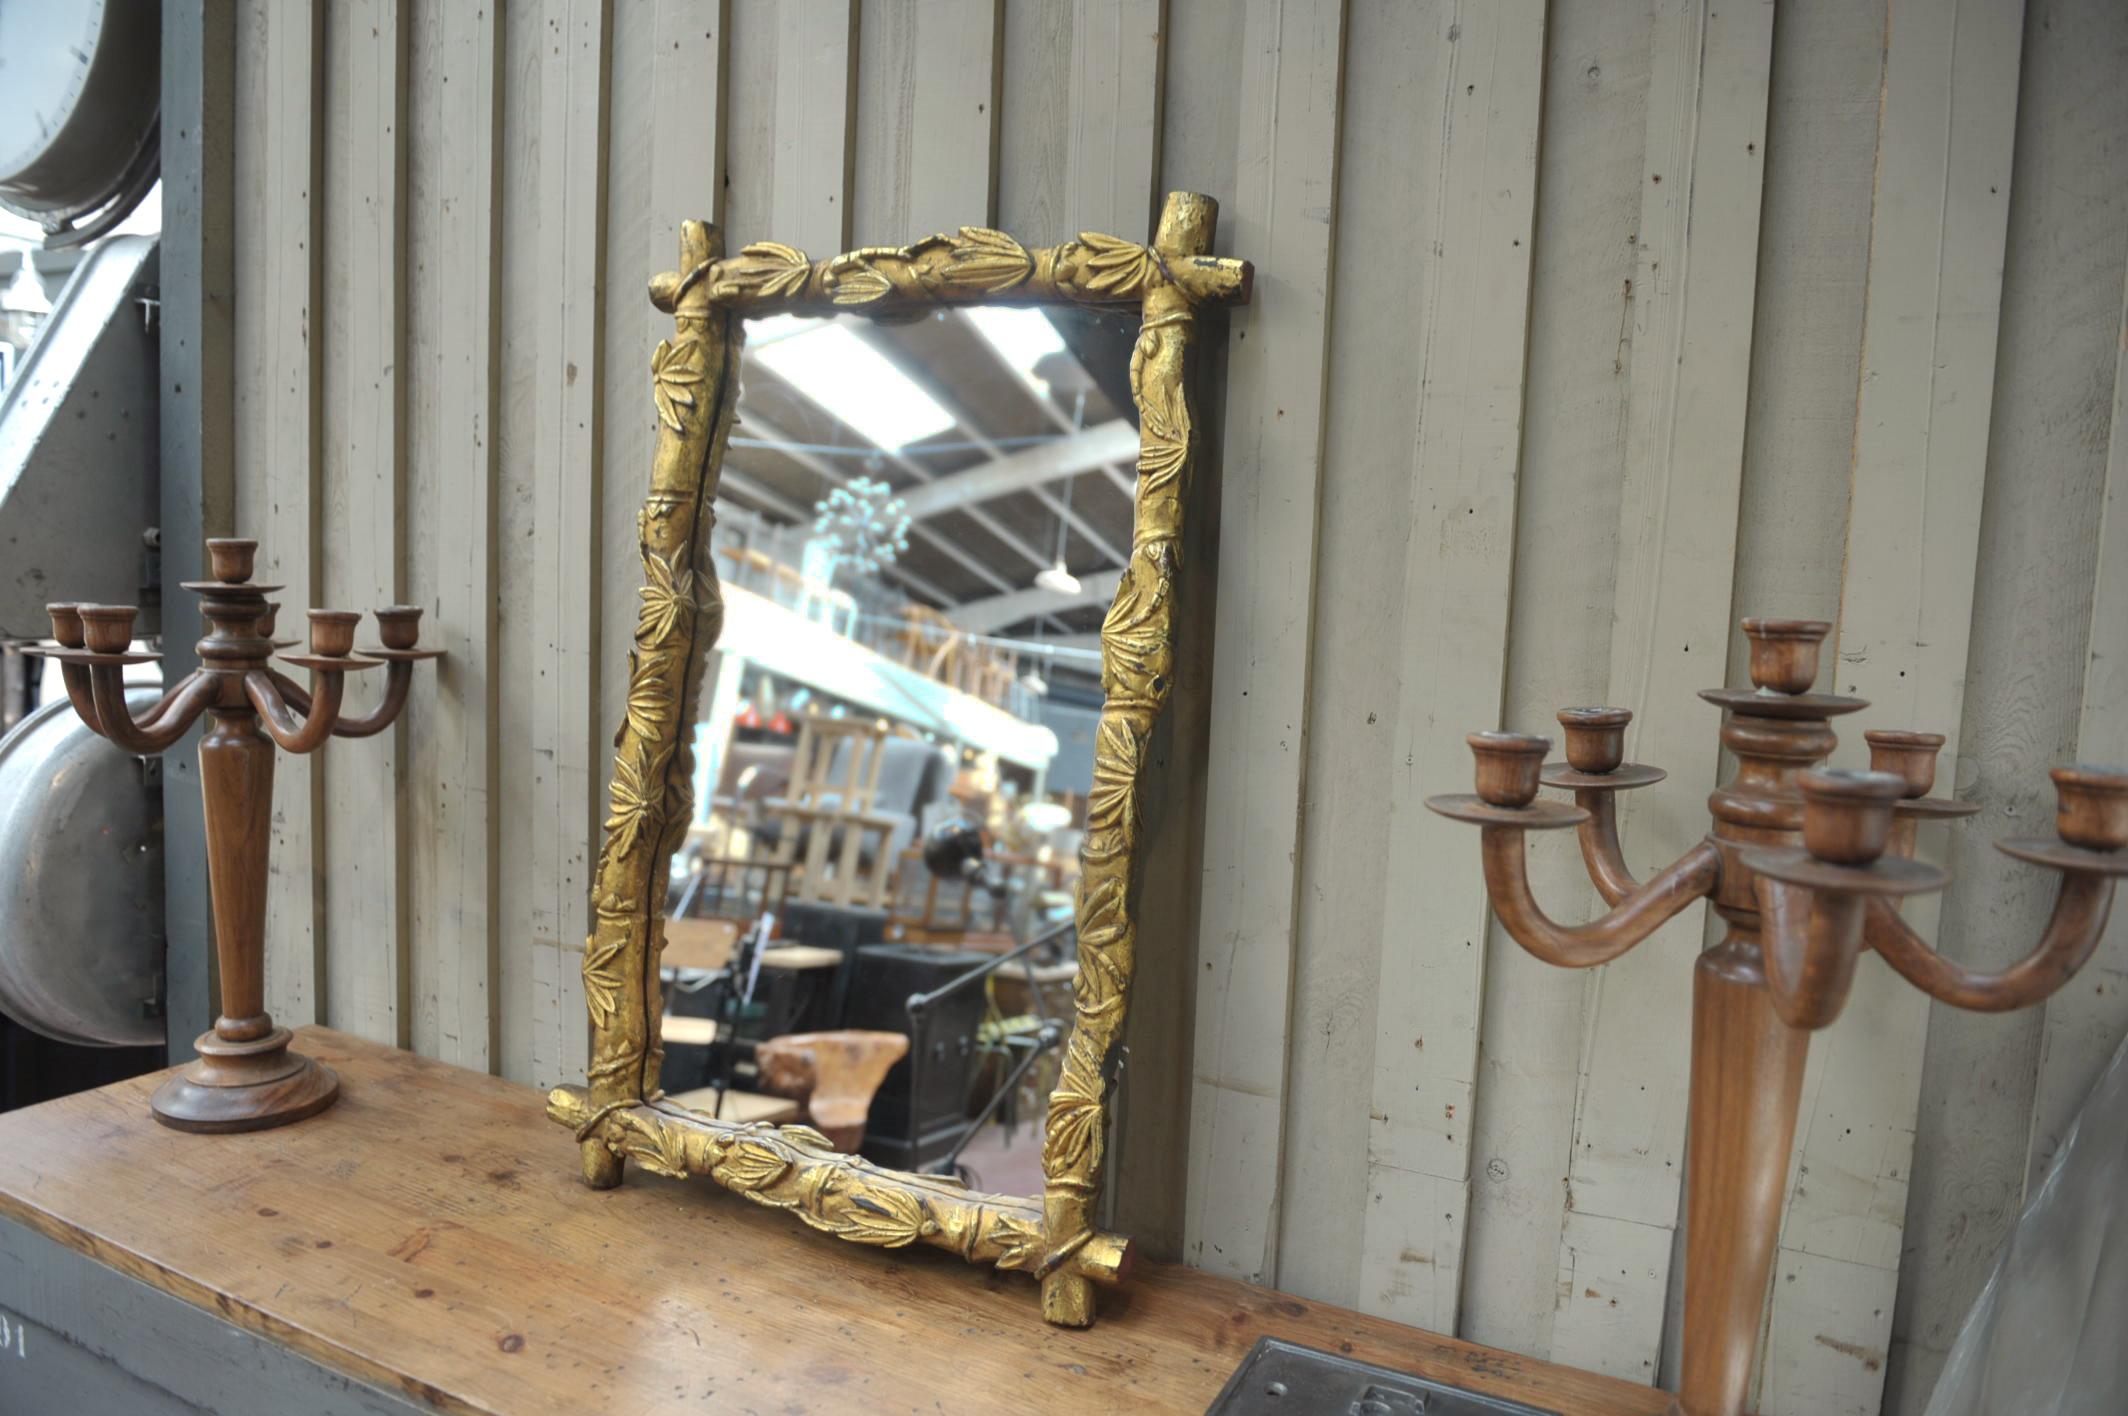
x: 741, y: 1108
x: 928, y: 909
x: 1804, y: 867
x: 245, y: 1078
x: 722, y: 898
x: 411, y: 1242
x: 833, y: 1075
x: 829, y: 807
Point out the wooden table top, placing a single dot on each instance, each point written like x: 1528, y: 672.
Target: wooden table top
x: 430, y: 1234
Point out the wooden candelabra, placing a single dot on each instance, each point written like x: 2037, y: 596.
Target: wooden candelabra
x: 1804, y: 865
x: 246, y: 1078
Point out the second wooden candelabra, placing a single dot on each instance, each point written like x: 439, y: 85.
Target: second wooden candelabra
x: 246, y: 1078
x: 1804, y: 866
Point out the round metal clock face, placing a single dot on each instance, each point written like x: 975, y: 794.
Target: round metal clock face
x: 80, y: 90
x: 46, y: 50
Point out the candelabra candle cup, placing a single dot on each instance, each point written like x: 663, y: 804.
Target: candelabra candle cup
x: 265, y: 626
x: 109, y: 628
x: 1784, y: 653
x: 1909, y: 756
x: 1847, y: 815
x: 399, y: 626
x: 1508, y: 766
x: 67, y: 627
x: 231, y: 559
x: 332, y: 632
x: 1595, y: 738
x: 2091, y: 806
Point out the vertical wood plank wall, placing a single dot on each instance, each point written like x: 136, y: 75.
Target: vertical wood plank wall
x: 1581, y: 329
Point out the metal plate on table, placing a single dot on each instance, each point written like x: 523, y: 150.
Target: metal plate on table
x: 1280, y: 1378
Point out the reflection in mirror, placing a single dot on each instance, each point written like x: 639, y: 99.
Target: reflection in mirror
x: 920, y: 527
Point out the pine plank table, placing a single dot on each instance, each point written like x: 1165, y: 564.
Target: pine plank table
x: 426, y: 1246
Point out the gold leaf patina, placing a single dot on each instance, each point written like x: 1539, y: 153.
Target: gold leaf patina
x: 1114, y: 264
x: 889, y: 1218
x: 986, y: 260
x: 771, y: 270
x: 666, y: 595
x: 750, y: 1166
x: 602, y: 971
x: 634, y: 800
x: 650, y: 697
x: 618, y: 1114
x: 854, y: 280
x: 675, y: 373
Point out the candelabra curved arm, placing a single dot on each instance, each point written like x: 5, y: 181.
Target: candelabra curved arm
x: 399, y: 626
x: 83, y: 697
x: 1600, y: 850
x: 1639, y: 914
x: 305, y: 734
x: 399, y: 678
x: 1825, y: 904
x: 1595, y: 771
x: 2078, y: 923
x: 1510, y: 767
x: 1811, y: 942
x: 107, y: 691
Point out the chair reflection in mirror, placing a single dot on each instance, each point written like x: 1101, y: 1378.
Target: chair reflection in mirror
x: 620, y: 1114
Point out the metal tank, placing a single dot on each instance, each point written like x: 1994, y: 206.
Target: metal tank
x: 81, y: 882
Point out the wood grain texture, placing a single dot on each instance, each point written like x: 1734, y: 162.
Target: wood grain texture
x: 278, y: 427
x: 521, y: 315
x: 363, y: 519
x: 816, y: 92
x: 2051, y: 414
x: 100, y: 1341
x: 929, y: 79
x: 1822, y: 179
x: 424, y: 1238
x: 1387, y: 182
x: 1451, y: 656
x: 568, y: 482
x: 1112, y: 157
x: 2086, y: 1021
x: 1693, y: 294
x: 1947, y: 117
x: 454, y: 248
x: 1566, y: 533
x: 1273, y: 443
x: 1034, y: 125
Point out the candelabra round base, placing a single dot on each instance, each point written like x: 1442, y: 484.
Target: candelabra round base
x: 245, y: 1086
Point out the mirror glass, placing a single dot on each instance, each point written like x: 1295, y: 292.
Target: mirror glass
x: 920, y: 527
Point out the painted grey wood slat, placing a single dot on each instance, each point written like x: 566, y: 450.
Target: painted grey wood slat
x: 1693, y: 294
x: 362, y: 528
x: 278, y: 456
x: 454, y: 230
x: 86, y: 1338
x: 1293, y: 60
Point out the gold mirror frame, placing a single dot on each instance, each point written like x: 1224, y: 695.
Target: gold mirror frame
x: 621, y: 1114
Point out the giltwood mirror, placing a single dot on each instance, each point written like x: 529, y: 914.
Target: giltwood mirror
x: 621, y: 1113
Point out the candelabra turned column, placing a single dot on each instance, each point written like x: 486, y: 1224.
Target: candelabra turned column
x: 246, y: 1077
x: 1805, y: 867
